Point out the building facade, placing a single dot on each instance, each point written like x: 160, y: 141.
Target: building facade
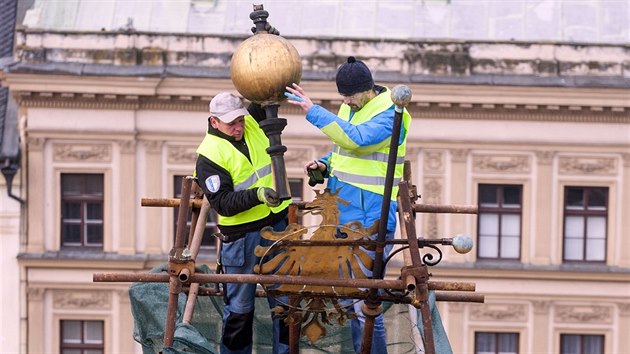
x: 536, y: 134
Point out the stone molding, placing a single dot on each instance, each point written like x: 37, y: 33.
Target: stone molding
x: 433, y: 161
x: 499, y: 312
x: 541, y: 307
x: 624, y: 309
x: 483, y: 163
x: 153, y: 146
x: 583, y: 314
x: 459, y: 155
x: 296, y: 156
x: 545, y: 157
x: 71, y: 152
x: 65, y: 299
x: 432, y: 110
x: 35, y: 294
x: 573, y: 165
x: 127, y: 146
x: 182, y: 154
x: 35, y: 144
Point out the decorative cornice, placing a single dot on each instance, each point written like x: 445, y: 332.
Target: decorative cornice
x: 81, y: 299
x: 459, y: 155
x: 433, y: 161
x: 153, y: 146
x: 35, y: 144
x: 81, y: 152
x: 182, y: 154
x: 545, y: 157
x: 421, y: 110
x: 587, y: 165
x: 127, y: 146
x: 501, y: 163
x: 296, y: 156
x: 583, y: 314
x: 35, y: 294
x: 541, y: 307
x: 499, y: 312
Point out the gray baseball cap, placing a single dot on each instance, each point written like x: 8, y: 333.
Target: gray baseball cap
x: 227, y: 107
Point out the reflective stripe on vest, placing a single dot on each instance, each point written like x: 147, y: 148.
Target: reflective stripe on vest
x: 366, y: 167
x: 251, y: 180
x: 245, y: 174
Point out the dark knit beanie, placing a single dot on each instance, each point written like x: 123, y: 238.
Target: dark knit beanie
x: 353, y: 76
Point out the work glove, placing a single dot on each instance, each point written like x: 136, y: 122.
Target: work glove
x: 268, y: 196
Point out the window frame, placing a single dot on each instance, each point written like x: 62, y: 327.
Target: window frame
x: 496, y: 339
x: 500, y: 210
x: 82, y: 346
x: 582, y: 337
x: 585, y: 214
x: 82, y: 199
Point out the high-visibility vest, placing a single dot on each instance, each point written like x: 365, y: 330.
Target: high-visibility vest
x: 366, y: 166
x: 245, y: 174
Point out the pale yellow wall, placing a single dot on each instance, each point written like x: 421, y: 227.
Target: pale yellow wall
x: 139, y: 152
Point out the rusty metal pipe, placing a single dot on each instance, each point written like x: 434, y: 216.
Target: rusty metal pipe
x: 453, y: 209
x: 168, y: 202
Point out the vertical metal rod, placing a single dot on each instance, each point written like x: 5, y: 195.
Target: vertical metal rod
x: 401, y: 95
x: 421, y: 295
x: 295, y: 326
x: 194, y: 246
x: 174, y: 285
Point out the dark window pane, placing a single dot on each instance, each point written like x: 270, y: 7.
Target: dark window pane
x: 488, y: 195
x: 72, y: 233
x: 71, y: 184
x: 512, y: 196
x: 71, y: 211
x: 94, y: 234
x: 575, y: 198
x: 71, y: 331
x: 71, y: 351
x: 94, y: 211
x: 593, y: 344
x: 94, y: 332
x: 597, y: 198
x: 94, y: 184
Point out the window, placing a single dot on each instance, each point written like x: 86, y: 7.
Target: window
x: 581, y: 344
x: 496, y: 343
x: 585, y: 219
x: 82, y: 337
x: 81, y: 210
x: 499, y: 221
x: 208, y: 241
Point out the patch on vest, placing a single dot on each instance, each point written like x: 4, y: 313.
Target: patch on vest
x: 213, y: 183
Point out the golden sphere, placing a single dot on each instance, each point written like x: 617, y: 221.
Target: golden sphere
x: 263, y: 65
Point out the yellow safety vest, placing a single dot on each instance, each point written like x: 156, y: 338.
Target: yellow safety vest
x: 245, y: 174
x: 366, y: 166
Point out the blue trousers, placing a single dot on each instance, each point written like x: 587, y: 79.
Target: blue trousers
x: 238, y: 258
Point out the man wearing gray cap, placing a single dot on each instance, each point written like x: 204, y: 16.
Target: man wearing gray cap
x: 356, y: 167
x: 234, y: 171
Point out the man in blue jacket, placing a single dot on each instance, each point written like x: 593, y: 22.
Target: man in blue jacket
x: 356, y: 167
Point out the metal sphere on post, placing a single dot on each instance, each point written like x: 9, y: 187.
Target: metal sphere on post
x: 262, y: 66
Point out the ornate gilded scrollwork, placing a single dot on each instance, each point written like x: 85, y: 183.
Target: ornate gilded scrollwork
x: 339, y: 256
